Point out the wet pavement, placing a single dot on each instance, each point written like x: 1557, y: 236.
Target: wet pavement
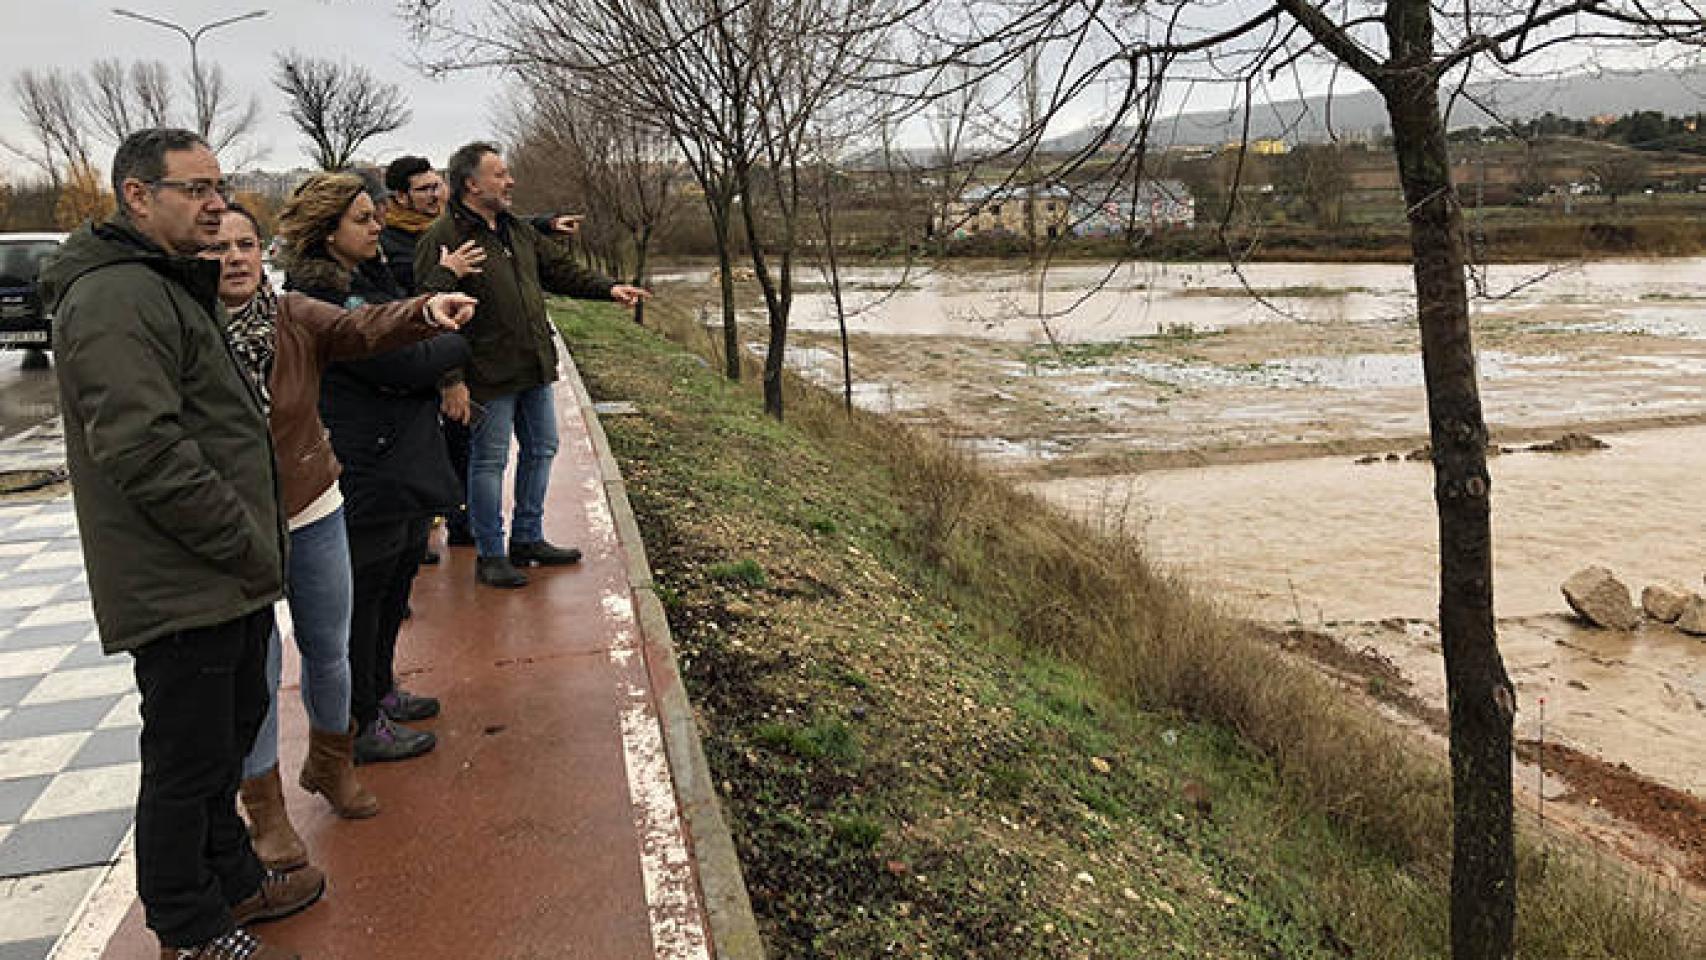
x: 28, y: 398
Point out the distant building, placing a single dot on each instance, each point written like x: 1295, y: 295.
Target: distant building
x: 1154, y: 205
x: 1002, y: 209
x: 1093, y: 210
x: 1264, y: 148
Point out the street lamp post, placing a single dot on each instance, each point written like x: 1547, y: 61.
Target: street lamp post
x: 204, y: 122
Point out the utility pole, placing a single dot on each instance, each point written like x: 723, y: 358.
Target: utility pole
x: 203, y: 113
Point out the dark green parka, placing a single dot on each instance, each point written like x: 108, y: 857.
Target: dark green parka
x: 510, y: 335
x: 171, y: 463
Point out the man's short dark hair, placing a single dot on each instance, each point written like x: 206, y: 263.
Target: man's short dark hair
x: 402, y: 170
x: 462, y: 165
x: 370, y: 184
x: 142, y: 155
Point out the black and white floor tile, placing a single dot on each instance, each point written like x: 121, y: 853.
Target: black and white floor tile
x: 68, y: 720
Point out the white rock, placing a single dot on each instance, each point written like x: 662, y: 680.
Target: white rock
x: 1665, y: 600
x: 1693, y: 619
x: 1601, y: 599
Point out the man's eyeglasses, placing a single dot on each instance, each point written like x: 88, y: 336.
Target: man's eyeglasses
x: 428, y: 188
x: 195, y: 190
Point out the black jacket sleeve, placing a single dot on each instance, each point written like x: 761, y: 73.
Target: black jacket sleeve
x: 417, y: 367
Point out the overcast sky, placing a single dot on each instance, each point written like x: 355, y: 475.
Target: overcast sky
x: 72, y: 33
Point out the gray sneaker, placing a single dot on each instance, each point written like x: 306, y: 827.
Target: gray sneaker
x: 404, y: 707
x: 386, y: 741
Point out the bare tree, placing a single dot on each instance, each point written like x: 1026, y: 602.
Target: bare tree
x: 337, y: 106
x: 1621, y: 174
x: 671, y: 66
x: 50, y: 104
x: 735, y: 85
x: 119, y: 100
x: 1417, y: 55
x: 1319, y: 175
x: 226, y: 120
x: 152, y: 86
x: 621, y: 169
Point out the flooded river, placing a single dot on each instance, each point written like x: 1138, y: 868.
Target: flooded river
x: 1078, y: 303
x: 1223, y: 427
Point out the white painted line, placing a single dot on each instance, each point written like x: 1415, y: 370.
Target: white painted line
x: 97, y: 918
x: 673, y: 900
x: 672, y: 889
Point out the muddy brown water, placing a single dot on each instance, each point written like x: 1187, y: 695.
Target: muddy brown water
x: 1328, y: 542
x: 1080, y: 302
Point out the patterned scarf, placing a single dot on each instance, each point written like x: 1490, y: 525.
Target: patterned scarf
x: 407, y: 220
x: 251, y: 332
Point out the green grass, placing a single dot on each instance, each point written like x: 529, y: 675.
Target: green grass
x: 951, y: 723
x: 746, y: 572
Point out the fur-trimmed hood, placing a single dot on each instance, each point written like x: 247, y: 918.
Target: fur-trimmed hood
x: 316, y: 273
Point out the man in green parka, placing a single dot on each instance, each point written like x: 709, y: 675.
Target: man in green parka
x: 183, y: 535
x: 514, y: 352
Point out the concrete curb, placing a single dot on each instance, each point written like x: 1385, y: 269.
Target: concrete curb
x: 734, y: 930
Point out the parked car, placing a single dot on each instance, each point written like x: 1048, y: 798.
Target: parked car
x: 24, y: 323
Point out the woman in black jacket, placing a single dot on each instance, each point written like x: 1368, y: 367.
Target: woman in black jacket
x: 382, y: 413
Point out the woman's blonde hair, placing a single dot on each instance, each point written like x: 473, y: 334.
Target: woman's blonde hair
x: 312, y: 213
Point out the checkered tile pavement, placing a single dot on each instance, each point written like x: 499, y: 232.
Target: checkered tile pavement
x: 68, y: 719
x: 35, y: 448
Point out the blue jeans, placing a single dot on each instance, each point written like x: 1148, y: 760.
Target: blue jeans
x: 531, y: 415
x: 318, y: 588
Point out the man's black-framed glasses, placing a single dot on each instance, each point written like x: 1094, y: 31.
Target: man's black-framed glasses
x: 196, y: 190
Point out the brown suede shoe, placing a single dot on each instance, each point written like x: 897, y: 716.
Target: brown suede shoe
x: 280, y: 895
x: 237, y: 945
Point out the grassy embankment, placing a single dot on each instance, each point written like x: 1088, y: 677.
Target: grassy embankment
x: 948, y: 722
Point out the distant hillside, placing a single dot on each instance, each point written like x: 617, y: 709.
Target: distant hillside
x: 1360, y: 115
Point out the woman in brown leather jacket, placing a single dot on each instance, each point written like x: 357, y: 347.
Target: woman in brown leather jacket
x: 284, y: 343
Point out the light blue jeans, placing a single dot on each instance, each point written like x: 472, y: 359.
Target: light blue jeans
x: 318, y: 588
x: 531, y: 415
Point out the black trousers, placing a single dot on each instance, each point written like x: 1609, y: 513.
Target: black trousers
x: 383, y: 581
x: 456, y: 440
x: 204, y: 695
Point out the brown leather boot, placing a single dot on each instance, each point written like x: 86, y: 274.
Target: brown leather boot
x: 276, y: 841
x: 329, y: 771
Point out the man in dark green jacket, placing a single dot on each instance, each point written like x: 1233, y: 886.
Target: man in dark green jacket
x: 183, y: 535
x: 514, y: 358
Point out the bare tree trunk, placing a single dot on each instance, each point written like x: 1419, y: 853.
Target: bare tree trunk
x: 726, y: 281
x: 1479, y: 692
x: 642, y: 248
x: 840, y: 310
x: 776, y: 303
